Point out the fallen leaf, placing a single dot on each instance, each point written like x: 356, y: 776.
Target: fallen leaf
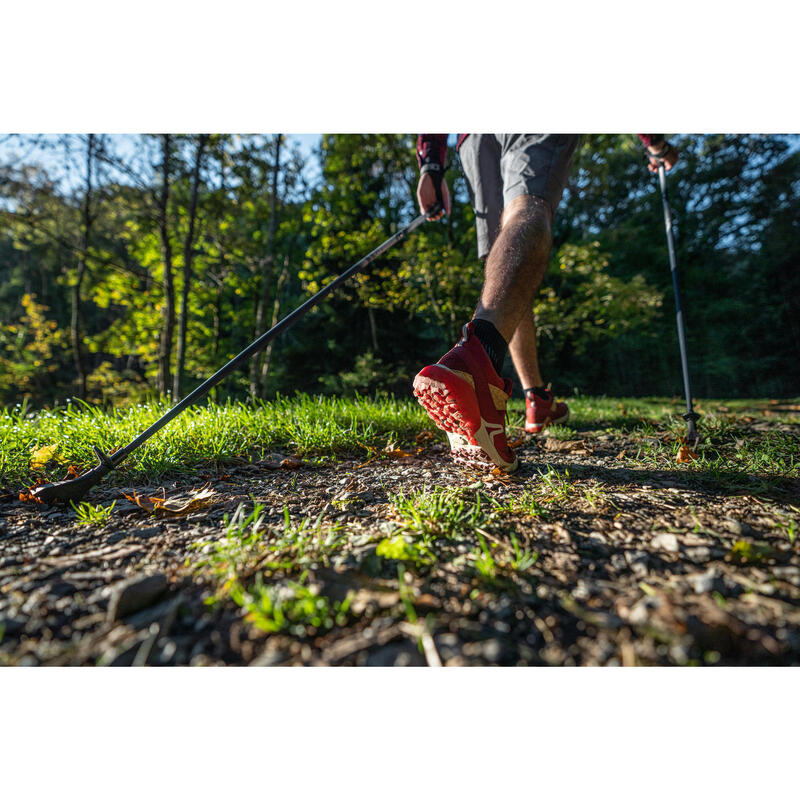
x: 41, y: 457
x: 517, y: 442
x: 27, y: 496
x: 565, y: 446
x: 161, y: 507
x: 397, y: 453
x: 621, y: 455
x: 685, y: 455
x: 280, y: 461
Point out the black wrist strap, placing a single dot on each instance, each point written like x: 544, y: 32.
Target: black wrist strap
x: 436, y: 171
x: 660, y: 155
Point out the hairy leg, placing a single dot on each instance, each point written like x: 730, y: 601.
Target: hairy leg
x: 524, y: 354
x: 516, y: 265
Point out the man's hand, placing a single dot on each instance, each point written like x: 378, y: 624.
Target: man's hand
x: 426, y: 195
x: 666, y: 153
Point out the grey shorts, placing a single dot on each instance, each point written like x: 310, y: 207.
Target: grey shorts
x: 502, y: 166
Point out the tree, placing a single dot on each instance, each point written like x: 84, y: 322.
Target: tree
x: 188, y: 256
x: 267, y: 269
x: 168, y: 309
x: 76, y: 327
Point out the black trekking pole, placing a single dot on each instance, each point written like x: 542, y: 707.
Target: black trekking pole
x: 691, y: 416
x: 77, y: 487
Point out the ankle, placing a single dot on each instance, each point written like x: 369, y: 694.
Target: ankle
x: 540, y: 392
x: 493, y: 342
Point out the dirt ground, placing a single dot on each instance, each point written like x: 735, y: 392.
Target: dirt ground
x: 634, y: 566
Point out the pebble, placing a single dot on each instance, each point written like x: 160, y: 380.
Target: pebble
x: 666, y: 541
x: 135, y: 594
x: 11, y: 625
x: 702, y: 582
x: 732, y: 526
x: 145, y: 533
x: 699, y: 555
x: 637, y: 561
x: 640, y: 611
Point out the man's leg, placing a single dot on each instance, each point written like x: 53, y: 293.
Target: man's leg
x: 524, y: 354
x: 515, y: 267
x: 463, y: 392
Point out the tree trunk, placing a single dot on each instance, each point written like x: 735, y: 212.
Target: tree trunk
x: 76, y: 322
x: 168, y: 311
x: 266, y: 275
x: 373, y: 329
x: 276, y: 309
x: 188, y: 256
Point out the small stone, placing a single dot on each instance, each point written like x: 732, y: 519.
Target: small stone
x: 145, y: 533
x: 637, y: 561
x: 699, y: 555
x: 638, y: 614
x: 666, y: 541
x: 492, y: 649
x: 618, y: 561
x: 11, y: 625
x: 640, y: 611
x: 135, y: 594
x: 732, y: 526
x: 702, y: 582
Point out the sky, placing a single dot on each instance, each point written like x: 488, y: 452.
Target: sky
x: 51, y: 156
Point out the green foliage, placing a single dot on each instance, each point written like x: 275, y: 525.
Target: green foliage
x: 405, y: 548
x: 440, y: 512
x: 87, y: 514
x: 290, y: 606
x: 27, y: 349
x: 604, y: 313
x: 583, y: 303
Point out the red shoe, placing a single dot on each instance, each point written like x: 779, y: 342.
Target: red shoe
x: 539, y: 413
x: 467, y: 399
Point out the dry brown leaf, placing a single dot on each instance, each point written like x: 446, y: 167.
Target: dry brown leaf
x: 27, y: 496
x: 397, y: 453
x: 517, y: 442
x: 280, y: 461
x: 161, y: 507
x: 565, y: 446
x: 685, y: 455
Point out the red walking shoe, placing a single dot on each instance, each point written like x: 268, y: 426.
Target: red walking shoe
x: 541, y: 412
x: 467, y: 399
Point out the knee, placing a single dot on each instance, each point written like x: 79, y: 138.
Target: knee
x: 529, y: 211
x: 531, y: 218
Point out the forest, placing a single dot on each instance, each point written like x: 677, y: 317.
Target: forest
x: 132, y: 267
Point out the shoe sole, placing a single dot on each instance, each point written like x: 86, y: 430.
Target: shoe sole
x: 453, y: 406
x: 532, y: 427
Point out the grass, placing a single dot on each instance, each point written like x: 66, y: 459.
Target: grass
x: 439, y: 512
x: 275, y: 573
x: 304, y: 425
x: 87, y: 514
x: 328, y: 427
x: 248, y: 544
x: 252, y: 564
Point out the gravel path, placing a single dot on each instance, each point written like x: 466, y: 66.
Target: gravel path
x: 632, y: 566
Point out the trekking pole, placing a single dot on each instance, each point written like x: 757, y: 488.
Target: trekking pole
x: 77, y: 487
x: 691, y: 416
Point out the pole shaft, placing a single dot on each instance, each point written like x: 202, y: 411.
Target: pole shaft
x: 262, y: 341
x: 673, y: 266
